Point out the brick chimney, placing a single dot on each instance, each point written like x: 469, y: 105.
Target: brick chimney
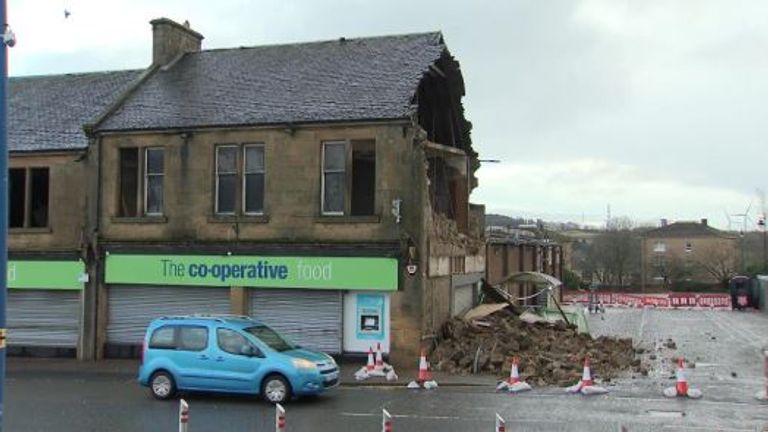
x: 704, y: 222
x: 171, y: 39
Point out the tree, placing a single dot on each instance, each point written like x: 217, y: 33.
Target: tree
x: 716, y: 260
x: 613, y: 257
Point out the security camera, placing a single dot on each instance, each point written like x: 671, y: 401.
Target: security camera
x: 9, y: 38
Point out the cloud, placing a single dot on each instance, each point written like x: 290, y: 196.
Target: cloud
x: 582, y: 189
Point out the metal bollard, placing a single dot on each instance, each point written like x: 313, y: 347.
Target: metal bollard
x: 279, y: 418
x: 500, y: 425
x: 386, y: 421
x: 183, y: 415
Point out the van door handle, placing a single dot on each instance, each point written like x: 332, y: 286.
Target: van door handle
x: 219, y: 359
x: 203, y: 357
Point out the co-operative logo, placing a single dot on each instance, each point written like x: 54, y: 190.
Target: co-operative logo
x: 256, y: 270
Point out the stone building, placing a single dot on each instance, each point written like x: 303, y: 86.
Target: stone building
x: 322, y: 187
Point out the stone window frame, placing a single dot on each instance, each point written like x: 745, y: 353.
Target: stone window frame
x: 240, y: 174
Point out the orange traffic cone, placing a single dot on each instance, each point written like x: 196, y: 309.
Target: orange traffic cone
x: 379, y: 358
x: 370, y: 366
x: 424, y: 373
x: 586, y: 376
x: 682, y: 382
x: 513, y: 384
x: 514, y: 374
x: 681, y: 387
x: 586, y: 386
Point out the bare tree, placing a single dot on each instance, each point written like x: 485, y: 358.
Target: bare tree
x: 614, y: 255
x: 716, y: 260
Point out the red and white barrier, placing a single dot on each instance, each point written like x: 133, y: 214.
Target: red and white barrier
x: 279, y: 418
x: 386, y: 421
x: 665, y: 301
x: 500, y: 424
x: 183, y: 416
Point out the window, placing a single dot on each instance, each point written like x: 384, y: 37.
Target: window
x: 163, y: 338
x: 240, y: 181
x: 193, y: 338
x: 231, y: 341
x: 660, y: 247
x: 28, y: 190
x: 141, y: 182
x: 458, y: 265
x: 349, y: 178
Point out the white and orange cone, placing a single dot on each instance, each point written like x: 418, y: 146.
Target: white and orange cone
x: 681, y: 388
x: 513, y: 384
x: 370, y: 366
x: 424, y: 377
x: 586, y: 386
x: 379, y: 366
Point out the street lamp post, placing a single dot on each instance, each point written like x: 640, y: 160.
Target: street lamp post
x: 8, y: 39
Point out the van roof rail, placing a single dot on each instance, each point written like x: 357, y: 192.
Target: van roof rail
x: 217, y: 317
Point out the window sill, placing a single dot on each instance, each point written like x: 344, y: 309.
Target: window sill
x: 374, y: 219
x: 46, y: 230
x: 140, y: 219
x: 241, y: 219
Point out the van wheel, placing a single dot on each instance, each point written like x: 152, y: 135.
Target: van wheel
x: 276, y: 389
x: 162, y: 385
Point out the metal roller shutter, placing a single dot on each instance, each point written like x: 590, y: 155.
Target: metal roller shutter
x: 311, y: 319
x: 131, y: 308
x: 43, y: 318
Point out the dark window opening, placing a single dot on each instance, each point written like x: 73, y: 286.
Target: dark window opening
x: 38, y: 200
x: 363, y: 178
x: 129, y: 182
x: 448, y: 191
x: 17, y: 183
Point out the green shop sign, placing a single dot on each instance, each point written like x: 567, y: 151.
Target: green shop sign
x: 254, y: 271
x: 58, y: 275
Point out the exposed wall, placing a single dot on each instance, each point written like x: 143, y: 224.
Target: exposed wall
x: 66, y: 204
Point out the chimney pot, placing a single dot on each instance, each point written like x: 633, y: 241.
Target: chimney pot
x: 664, y: 222
x: 704, y: 221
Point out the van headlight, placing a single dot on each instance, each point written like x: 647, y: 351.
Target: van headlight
x: 304, y: 364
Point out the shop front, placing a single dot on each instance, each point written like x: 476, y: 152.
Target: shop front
x: 44, y: 307
x: 333, y: 304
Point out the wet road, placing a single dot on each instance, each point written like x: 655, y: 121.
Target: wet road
x: 63, y: 401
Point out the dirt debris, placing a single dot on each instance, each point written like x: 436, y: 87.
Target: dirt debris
x: 550, y: 353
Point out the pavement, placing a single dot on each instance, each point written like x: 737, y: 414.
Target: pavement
x: 127, y: 369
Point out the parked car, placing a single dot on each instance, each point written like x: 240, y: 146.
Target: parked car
x: 233, y: 354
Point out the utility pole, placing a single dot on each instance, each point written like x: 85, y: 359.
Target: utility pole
x: 8, y: 39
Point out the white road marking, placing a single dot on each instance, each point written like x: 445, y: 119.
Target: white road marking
x: 704, y: 428
x: 407, y: 416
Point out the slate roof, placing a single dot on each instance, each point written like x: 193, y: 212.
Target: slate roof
x: 48, y: 112
x: 686, y: 230
x: 339, y: 80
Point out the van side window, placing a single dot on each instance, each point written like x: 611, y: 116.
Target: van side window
x: 163, y: 338
x: 231, y: 341
x: 193, y: 338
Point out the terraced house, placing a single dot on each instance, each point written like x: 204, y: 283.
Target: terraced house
x: 322, y: 187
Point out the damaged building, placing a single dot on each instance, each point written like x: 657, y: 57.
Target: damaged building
x: 321, y: 187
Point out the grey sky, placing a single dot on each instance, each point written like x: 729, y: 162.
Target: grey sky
x: 654, y: 107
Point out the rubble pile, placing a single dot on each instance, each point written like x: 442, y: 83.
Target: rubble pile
x: 550, y: 353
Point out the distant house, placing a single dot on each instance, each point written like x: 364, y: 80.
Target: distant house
x: 687, y: 252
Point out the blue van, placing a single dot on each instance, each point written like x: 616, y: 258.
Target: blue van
x: 233, y: 354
